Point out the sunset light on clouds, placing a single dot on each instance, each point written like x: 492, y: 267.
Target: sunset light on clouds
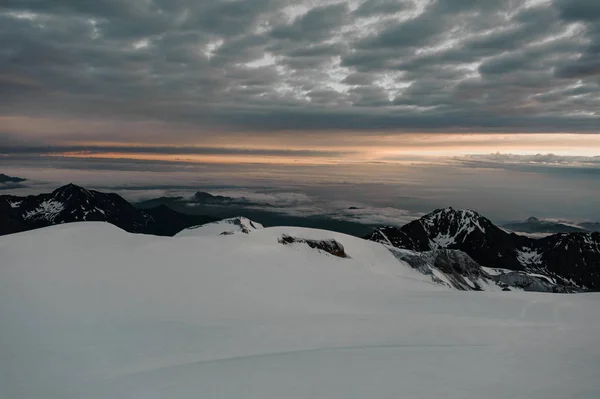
x: 375, y: 90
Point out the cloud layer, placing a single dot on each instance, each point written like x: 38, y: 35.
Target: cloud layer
x: 504, y: 187
x: 272, y: 65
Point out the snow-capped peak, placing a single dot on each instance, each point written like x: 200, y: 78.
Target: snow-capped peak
x: 229, y: 226
x: 449, y: 226
x: 453, y: 216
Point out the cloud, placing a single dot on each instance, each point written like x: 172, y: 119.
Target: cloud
x: 377, y: 7
x: 166, y: 150
x: 11, y: 186
x: 317, y: 24
x: 376, y: 216
x: 303, y: 205
x: 239, y: 67
x: 576, y: 167
x: 536, y: 159
x: 587, y: 63
x: 502, y: 187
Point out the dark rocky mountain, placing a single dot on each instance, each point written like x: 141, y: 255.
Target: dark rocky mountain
x: 10, y: 182
x: 9, y: 179
x: 72, y: 203
x: 199, y: 199
x: 464, y: 230
x: 572, y: 258
x: 534, y: 225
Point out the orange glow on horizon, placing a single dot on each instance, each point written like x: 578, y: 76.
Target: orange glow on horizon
x: 359, y: 149
x: 211, y: 159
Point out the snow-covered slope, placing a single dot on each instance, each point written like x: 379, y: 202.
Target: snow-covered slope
x: 90, y: 311
x: 229, y: 226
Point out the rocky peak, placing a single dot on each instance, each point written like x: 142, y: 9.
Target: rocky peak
x: 458, y: 218
x: 465, y: 230
x: 71, y: 192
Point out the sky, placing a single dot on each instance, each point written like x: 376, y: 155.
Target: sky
x: 394, y: 106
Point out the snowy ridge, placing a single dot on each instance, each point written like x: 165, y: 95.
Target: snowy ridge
x: 229, y: 226
x: 536, y: 228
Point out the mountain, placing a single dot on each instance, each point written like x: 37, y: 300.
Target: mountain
x: 534, y: 225
x: 88, y: 310
x: 198, y: 199
x: 167, y: 222
x: 10, y: 182
x: 464, y: 230
x: 9, y: 179
x: 224, y: 207
x: 574, y: 257
x: 72, y: 203
x: 569, y: 258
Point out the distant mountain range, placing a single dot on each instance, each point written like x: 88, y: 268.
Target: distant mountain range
x: 535, y: 226
x: 463, y: 245
x: 223, y: 207
x: 72, y: 203
x: 9, y: 179
x: 572, y: 259
x: 10, y: 182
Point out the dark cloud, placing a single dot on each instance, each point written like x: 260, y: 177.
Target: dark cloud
x: 239, y: 66
x: 375, y: 7
x: 587, y: 64
x: 316, y: 24
x: 575, y: 167
x: 585, y: 10
x: 98, y: 149
x: 414, y: 32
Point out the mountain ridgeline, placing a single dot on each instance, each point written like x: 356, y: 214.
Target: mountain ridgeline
x: 573, y: 259
x: 465, y: 247
x: 534, y: 225
x: 72, y: 203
